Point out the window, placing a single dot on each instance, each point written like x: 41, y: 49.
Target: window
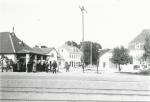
x: 137, y: 45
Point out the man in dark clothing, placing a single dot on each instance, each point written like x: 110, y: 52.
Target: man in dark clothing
x: 46, y: 66
x: 54, y: 66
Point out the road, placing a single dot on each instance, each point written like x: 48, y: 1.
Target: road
x: 73, y: 87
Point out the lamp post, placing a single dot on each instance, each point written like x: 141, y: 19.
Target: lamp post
x: 82, y: 11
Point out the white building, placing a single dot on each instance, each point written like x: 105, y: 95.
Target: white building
x: 51, y: 53
x: 136, y: 46
x: 136, y: 51
x: 105, y: 60
x: 71, y: 54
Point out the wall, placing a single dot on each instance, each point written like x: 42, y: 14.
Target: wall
x: 136, y: 54
x: 105, y: 62
x: 10, y: 56
x: 54, y: 57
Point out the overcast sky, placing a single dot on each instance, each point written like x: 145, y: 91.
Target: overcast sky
x: 52, y: 22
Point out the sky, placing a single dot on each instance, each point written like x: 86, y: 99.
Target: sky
x: 53, y: 22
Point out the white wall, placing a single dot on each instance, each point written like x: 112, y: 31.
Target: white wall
x: 54, y: 57
x: 63, y: 52
x: 106, y: 59
x: 136, y: 54
x: 10, y: 56
x: 70, y: 57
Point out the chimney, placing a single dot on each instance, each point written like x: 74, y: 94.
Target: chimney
x: 13, y: 29
x: 13, y: 34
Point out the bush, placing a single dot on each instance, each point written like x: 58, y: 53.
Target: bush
x: 145, y: 71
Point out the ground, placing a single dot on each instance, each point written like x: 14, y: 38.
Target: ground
x: 74, y: 86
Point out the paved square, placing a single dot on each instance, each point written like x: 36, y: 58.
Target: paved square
x: 74, y: 86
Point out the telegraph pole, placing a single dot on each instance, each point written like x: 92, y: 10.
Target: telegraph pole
x: 82, y: 11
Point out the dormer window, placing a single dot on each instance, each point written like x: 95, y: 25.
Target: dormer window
x: 21, y: 43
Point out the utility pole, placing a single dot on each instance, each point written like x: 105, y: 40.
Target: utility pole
x: 82, y: 11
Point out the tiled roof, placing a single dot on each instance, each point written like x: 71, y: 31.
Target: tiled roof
x: 9, y: 43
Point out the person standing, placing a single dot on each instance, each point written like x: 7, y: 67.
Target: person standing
x: 54, y: 67
x: 46, y: 66
x: 42, y: 66
x: 67, y: 66
x: 4, y: 64
x: 50, y: 65
x: 10, y: 64
x: 34, y: 66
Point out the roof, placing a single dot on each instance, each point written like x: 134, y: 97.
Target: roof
x: 103, y: 51
x: 43, y: 50
x: 5, y: 43
x: 10, y: 43
x: 47, y: 50
x: 38, y: 49
x: 71, y: 49
x: 141, y: 37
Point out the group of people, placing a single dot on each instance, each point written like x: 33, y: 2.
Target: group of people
x: 32, y: 66
x: 42, y: 65
x: 46, y: 66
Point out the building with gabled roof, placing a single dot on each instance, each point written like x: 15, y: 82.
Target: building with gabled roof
x: 136, y: 46
x: 14, y: 48
x: 71, y: 54
x: 105, y: 62
x: 138, y: 42
x: 51, y: 52
x: 52, y: 55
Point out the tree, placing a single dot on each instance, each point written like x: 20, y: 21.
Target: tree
x: 87, y: 52
x: 72, y: 43
x: 120, y: 56
x: 146, y: 55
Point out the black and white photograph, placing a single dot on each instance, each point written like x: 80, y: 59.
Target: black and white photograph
x: 74, y: 50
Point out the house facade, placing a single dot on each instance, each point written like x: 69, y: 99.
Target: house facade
x: 136, y: 47
x: 71, y: 54
x: 105, y: 60
x: 50, y: 52
x: 52, y: 55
